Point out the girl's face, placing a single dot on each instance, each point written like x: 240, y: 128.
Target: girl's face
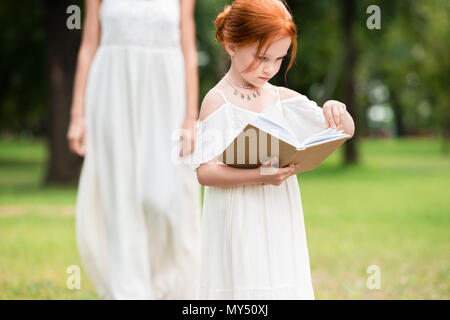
x: 269, y: 64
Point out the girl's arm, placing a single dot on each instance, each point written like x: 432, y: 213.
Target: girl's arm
x: 335, y: 112
x: 338, y: 117
x: 89, y: 44
x: 220, y: 175
x: 188, y: 46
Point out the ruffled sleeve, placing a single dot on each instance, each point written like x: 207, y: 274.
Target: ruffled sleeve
x: 304, y: 116
x: 215, y: 133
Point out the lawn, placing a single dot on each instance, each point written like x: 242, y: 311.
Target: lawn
x: 392, y: 210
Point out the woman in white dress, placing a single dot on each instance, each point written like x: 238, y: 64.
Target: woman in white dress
x: 253, y: 235
x: 138, y: 204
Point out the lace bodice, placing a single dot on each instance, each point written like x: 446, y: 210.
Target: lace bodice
x: 148, y: 23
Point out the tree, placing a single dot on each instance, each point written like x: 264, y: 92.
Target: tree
x: 350, y: 61
x: 61, y: 47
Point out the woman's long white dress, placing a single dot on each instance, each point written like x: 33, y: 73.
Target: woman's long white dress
x: 253, y: 236
x: 138, y: 208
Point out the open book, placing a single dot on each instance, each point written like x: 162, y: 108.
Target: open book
x: 263, y: 139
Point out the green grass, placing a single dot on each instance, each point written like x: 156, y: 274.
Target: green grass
x: 391, y: 210
x: 37, y: 228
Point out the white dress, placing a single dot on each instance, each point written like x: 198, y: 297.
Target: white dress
x: 253, y: 236
x: 138, y: 208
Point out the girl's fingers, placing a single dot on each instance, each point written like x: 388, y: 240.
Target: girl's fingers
x: 329, y: 117
x: 283, y: 171
x: 336, y: 116
x: 287, y: 170
x: 273, y: 161
x: 268, y: 163
x: 342, y: 115
x: 334, y: 113
x: 291, y: 171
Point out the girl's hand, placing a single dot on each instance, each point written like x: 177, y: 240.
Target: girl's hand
x: 76, y: 135
x: 274, y: 175
x: 334, y: 112
x: 187, y: 139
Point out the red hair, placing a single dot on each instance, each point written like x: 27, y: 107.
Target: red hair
x: 262, y: 21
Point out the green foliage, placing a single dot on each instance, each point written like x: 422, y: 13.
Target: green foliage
x: 22, y: 85
x: 408, y: 56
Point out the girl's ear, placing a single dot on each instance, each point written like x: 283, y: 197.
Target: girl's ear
x: 231, y: 48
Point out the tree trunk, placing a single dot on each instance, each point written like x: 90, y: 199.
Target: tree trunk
x: 445, y: 147
x: 398, y: 115
x: 61, y: 46
x: 350, y: 56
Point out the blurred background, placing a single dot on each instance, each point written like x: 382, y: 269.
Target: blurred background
x: 381, y: 202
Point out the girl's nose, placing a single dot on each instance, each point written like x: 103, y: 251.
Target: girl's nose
x: 267, y: 69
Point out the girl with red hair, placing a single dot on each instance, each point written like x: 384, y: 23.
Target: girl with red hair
x: 253, y: 235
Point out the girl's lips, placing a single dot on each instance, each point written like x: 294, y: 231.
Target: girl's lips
x: 265, y: 79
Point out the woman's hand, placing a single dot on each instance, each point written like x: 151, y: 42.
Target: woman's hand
x: 76, y: 135
x: 187, y: 139
x: 273, y: 175
x: 334, y: 112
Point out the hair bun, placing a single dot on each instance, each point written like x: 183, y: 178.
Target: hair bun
x: 220, y: 23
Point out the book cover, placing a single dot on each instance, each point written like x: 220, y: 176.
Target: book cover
x: 263, y: 139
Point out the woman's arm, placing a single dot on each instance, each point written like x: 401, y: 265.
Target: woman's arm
x: 187, y: 29
x: 188, y: 46
x: 89, y: 44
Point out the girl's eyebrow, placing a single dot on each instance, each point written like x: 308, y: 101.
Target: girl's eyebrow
x: 282, y: 56
x: 268, y: 55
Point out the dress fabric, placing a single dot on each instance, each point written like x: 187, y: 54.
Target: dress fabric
x: 253, y: 236
x: 138, y: 208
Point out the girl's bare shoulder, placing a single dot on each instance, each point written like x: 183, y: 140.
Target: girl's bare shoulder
x: 286, y: 93
x: 212, y: 101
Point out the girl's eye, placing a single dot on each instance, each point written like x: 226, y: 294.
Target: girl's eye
x: 260, y: 58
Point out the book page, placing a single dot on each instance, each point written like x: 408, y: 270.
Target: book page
x: 329, y: 134
x: 275, y: 130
